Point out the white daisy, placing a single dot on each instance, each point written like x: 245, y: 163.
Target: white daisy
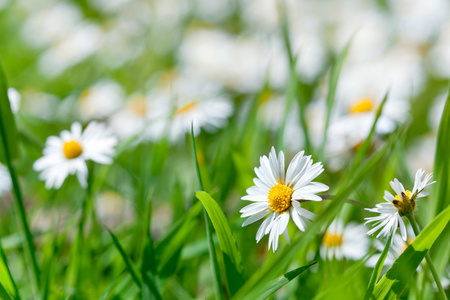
x: 278, y: 193
x: 5, y: 180
x: 349, y: 242
x: 199, y: 103
x: 68, y: 153
x: 402, y: 204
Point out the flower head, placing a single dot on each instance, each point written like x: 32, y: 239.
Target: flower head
x: 339, y: 241
x: 68, y: 153
x: 278, y: 193
x: 403, y: 204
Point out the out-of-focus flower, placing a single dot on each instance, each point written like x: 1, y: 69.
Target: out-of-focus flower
x: 395, y: 250
x: 112, y: 209
x: 344, y: 242
x: 144, y: 115
x: 5, y: 180
x: 71, y: 49
x: 50, y: 24
x: 100, y: 100
x: 403, y: 204
x: 67, y: 154
x: 277, y: 193
x: 14, y: 99
x: 199, y: 103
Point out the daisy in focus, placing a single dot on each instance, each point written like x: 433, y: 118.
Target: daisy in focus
x: 403, y: 204
x: 344, y: 242
x: 67, y: 154
x: 277, y: 193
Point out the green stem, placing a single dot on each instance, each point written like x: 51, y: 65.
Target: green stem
x: 415, y: 227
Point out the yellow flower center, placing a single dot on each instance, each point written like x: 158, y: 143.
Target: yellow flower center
x: 332, y: 240
x: 72, y: 149
x: 364, y: 104
x: 138, y: 105
x: 187, y: 107
x: 280, y: 198
x: 399, y: 198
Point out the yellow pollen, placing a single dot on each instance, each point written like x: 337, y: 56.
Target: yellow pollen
x: 280, y: 198
x: 364, y: 104
x: 332, y: 240
x: 138, y: 106
x: 399, y: 198
x: 187, y: 107
x: 72, y: 149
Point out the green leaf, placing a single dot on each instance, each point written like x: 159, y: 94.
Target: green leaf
x: 332, y: 86
x: 130, y: 266
x: 377, y: 269
x: 227, y: 242
x: 396, y: 278
x: 8, y: 128
x: 5, y: 274
x: 275, y: 285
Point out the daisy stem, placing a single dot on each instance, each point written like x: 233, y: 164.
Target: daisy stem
x: 415, y: 227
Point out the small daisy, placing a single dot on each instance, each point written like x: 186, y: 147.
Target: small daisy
x: 68, y: 153
x: 200, y: 103
x: 5, y: 180
x: 349, y: 242
x: 402, y: 204
x: 278, y: 193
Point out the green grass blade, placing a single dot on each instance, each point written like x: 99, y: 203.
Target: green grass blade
x: 8, y: 272
x: 9, y: 141
x: 227, y: 242
x: 129, y: 264
x: 332, y: 86
x: 217, y: 281
x: 9, y: 135
x: 276, y: 284
x: 148, y: 267
x: 4, y: 294
x: 396, y: 278
x: 377, y: 269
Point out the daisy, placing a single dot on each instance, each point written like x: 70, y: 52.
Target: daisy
x: 277, y: 193
x: 349, y: 242
x: 68, y: 153
x: 200, y: 103
x: 402, y: 204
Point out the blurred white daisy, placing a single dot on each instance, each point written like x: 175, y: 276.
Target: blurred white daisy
x: 14, y: 99
x: 199, y: 103
x: 5, y: 180
x: 350, y: 241
x: 402, y: 204
x: 395, y: 250
x: 278, y: 193
x: 143, y: 115
x: 67, y: 154
x: 100, y: 100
